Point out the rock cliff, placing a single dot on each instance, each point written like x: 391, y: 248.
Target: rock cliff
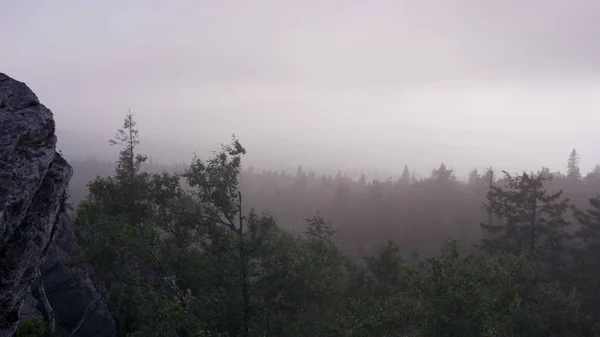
x: 33, y: 184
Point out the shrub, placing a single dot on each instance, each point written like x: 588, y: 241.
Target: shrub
x: 31, y: 327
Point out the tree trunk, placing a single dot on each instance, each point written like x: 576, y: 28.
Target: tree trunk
x: 491, y: 184
x: 246, y: 322
x: 46, y: 303
x: 532, y: 232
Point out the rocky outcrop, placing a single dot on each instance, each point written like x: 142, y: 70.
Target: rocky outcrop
x: 33, y: 184
x: 78, y: 305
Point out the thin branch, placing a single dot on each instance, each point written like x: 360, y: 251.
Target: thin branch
x: 140, y: 227
x: 178, y: 291
x: 47, y: 306
x: 141, y: 285
x: 229, y: 224
x: 214, y: 217
x: 85, y: 313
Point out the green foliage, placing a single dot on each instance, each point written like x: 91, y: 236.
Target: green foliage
x: 217, y: 180
x: 586, y: 268
x: 31, y: 327
x: 122, y: 226
x: 455, y: 295
x: 529, y: 218
x: 196, y: 263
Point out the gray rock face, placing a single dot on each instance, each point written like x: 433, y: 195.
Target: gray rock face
x: 71, y: 291
x: 33, y: 182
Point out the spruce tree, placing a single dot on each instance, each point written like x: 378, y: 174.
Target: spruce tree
x: 119, y: 228
x: 488, y: 178
x: 405, y: 178
x: 531, y: 220
x: 362, y: 181
x: 442, y: 174
x: 593, y: 177
x: 474, y: 178
x: 587, y: 265
x: 590, y: 222
x: 573, y: 171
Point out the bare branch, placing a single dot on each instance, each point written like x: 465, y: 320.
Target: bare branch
x: 85, y: 313
x: 46, y: 303
x: 141, y: 285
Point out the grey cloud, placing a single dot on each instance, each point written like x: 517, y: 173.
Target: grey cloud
x: 392, y: 42
x: 383, y: 76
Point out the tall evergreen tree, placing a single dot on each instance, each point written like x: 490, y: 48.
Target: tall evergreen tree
x: 300, y: 180
x: 590, y: 222
x: 119, y: 229
x: 442, y: 174
x: 531, y: 220
x: 362, y: 180
x: 587, y: 264
x: 488, y: 180
x: 474, y: 178
x: 405, y: 177
x: 593, y: 177
x: 128, y: 137
x: 573, y: 171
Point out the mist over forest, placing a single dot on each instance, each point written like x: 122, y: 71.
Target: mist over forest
x: 313, y: 168
x: 369, y: 209
x: 542, y: 223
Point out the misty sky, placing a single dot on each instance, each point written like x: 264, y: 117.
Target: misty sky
x: 343, y: 84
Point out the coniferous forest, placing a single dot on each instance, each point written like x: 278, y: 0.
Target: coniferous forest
x: 218, y: 249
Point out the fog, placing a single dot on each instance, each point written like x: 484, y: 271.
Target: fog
x: 350, y: 85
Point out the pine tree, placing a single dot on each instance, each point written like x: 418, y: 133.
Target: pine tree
x: 589, y: 233
x: 128, y: 137
x: 300, y: 172
x: 587, y: 264
x: 593, y: 177
x: 119, y: 232
x: 545, y: 172
x: 573, y: 171
x: 442, y: 174
x: 405, y: 178
x: 474, y: 178
x: 530, y: 219
x: 300, y: 180
x: 488, y: 180
x: 362, y: 181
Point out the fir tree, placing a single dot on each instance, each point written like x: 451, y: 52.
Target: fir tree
x: 442, y: 174
x: 593, y: 177
x: 300, y: 180
x: 586, y: 271
x: 405, y: 178
x: 589, y: 234
x: 573, y: 171
x: 128, y: 137
x: 530, y: 219
x: 362, y: 181
x: 118, y: 231
x: 474, y: 178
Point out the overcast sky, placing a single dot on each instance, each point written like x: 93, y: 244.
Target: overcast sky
x: 344, y: 84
